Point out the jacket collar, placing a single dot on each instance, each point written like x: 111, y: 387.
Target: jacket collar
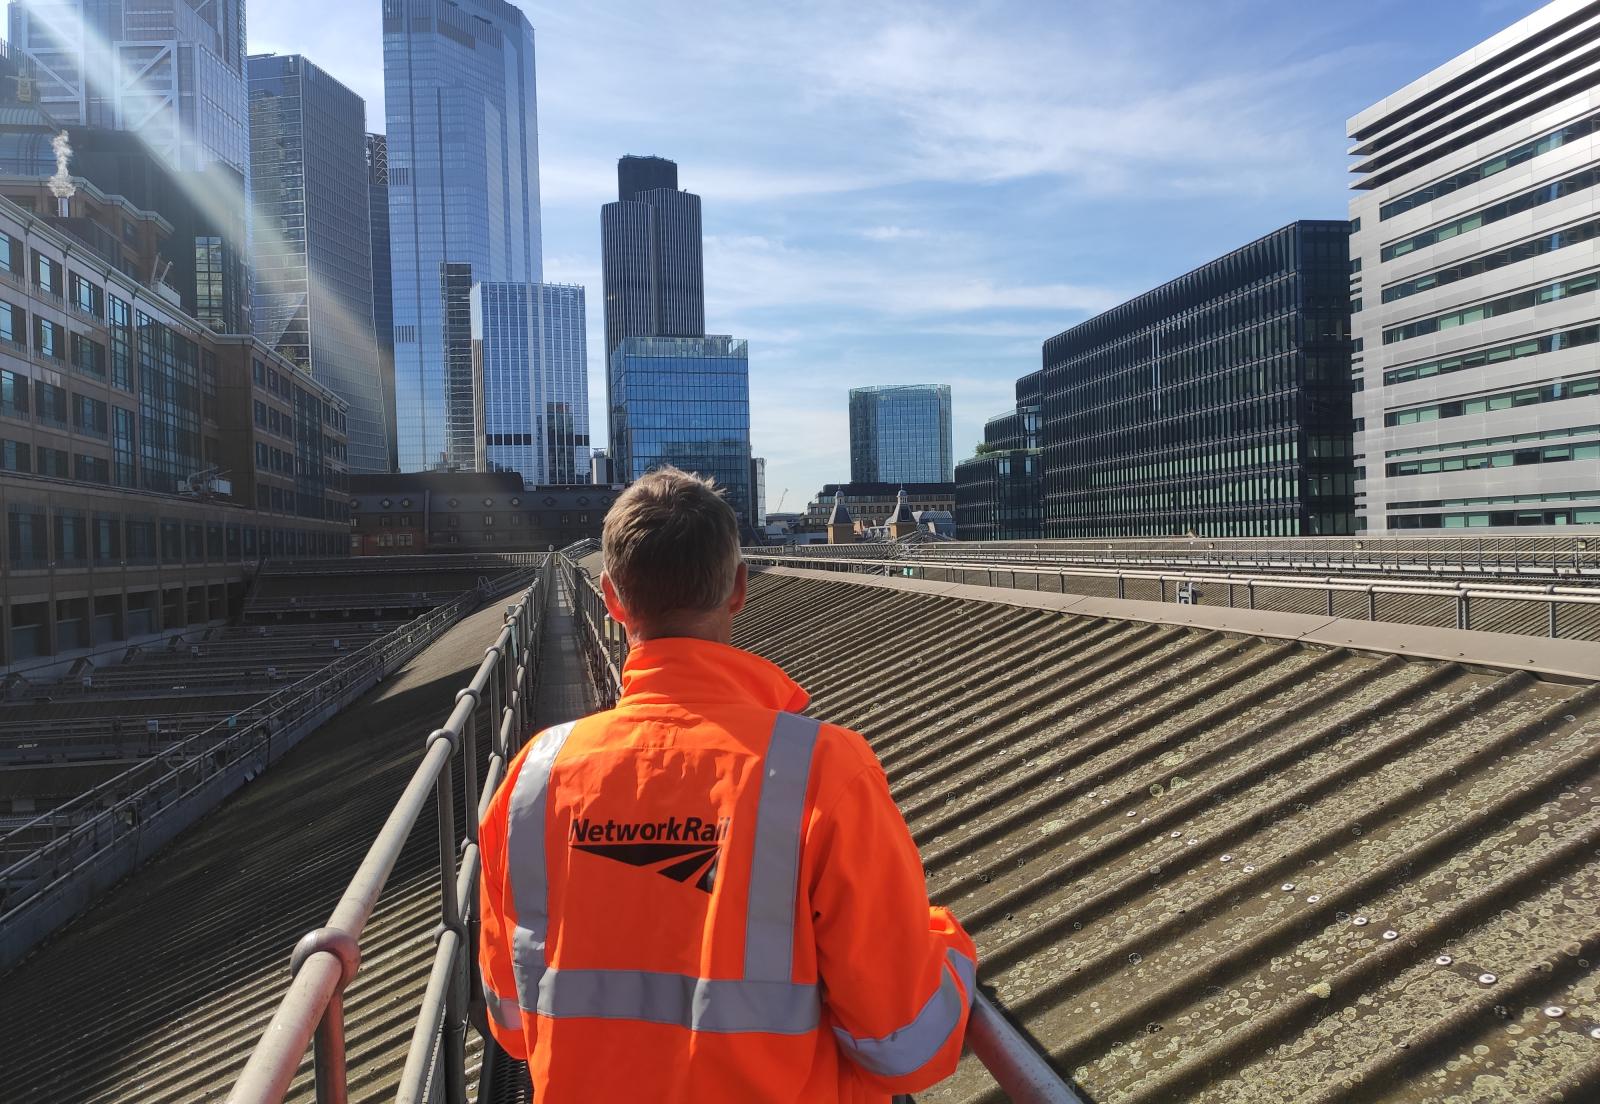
x: 682, y: 670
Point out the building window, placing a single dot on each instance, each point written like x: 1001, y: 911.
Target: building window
x: 87, y: 296
x: 50, y: 403
x: 49, y: 339
x: 46, y: 273
x: 88, y: 356
x: 15, y: 456
x: 13, y: 394
x: 13, y: 325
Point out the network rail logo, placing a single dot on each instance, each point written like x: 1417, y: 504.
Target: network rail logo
x: 684, y: 849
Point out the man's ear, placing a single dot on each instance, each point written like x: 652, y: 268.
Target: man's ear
x: 608, y: 591
x: 741, y: 579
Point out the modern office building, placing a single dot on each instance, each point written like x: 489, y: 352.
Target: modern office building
x: 998, y: 490
x: 382, y: 292
x: 463, y: 156
x: 561, y: 415
x: 170, y: 71
x: 205, y: 256
x: 683, y: 401
x: 1476, y: 280
x: 530, y: 364
x: 901, y: 433
x: 312, y: 297
x: 651, y: 258
x: 1217, y: 404
x: 144, y: 459
x: 758, y: 493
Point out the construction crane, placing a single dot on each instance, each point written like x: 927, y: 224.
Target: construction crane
x: 778, y: 509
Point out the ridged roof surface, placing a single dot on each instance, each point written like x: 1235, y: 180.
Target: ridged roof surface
x: 159, y: 993
x: 1207, y: 865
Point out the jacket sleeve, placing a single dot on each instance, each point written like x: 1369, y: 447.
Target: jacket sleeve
x: 494, y: 938
x: 897, y: 973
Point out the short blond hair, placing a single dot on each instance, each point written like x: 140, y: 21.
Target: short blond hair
x: 671, y: 545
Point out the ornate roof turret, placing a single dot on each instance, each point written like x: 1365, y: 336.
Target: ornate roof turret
x: 840, y: 515
x: 902, y: 511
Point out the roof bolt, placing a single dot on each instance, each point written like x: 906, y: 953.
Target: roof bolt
x: 1313, y: 898
x: 1359, y: 921
x: 1391, y: 935
x: 1444, y: 960
x: 1227, y: 858
x: 1248, y: 869
x: 1487, y: 979
x: 1193, y: 842
x: 1175, y: 835
x: 1133, y: 813
x: 1288, y: 887
x: 1594, y: 1033
x: 1555, y: 1011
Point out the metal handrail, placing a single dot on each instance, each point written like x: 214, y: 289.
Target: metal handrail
x: 1017, y: 1067
x: 325, y: 960
x: 182, y: 769
x: 1461, y: 592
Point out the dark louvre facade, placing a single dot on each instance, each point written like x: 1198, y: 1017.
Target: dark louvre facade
x: 1215, y: 405
x: 997, y: 491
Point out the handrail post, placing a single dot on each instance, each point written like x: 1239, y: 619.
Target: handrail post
x: 332, y: 1082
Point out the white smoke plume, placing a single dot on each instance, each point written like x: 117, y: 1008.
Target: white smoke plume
x: 61, y: 185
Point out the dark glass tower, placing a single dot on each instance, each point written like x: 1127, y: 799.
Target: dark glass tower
x: 382, y: 292
x: 997, y: 491
x: 1217, y: 404
x: 313, y: 243
x: 654, y: 272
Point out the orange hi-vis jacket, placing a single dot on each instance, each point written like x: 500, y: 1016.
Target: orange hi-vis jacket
x: 701, y: 895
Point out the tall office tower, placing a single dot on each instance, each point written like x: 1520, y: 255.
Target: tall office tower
x: 998, y: 490
x: 382, y: 292
x: 172, y: 71
x: 1475, y: 219
x: 535, y: 422
x: 463, y: 150
x: 758, y: 493
x: 900, y: 433
x: 654, y: 272
x: 313, y: 245
x: 683, y: 401
x: 561, y: 408
x: 1217, y: 404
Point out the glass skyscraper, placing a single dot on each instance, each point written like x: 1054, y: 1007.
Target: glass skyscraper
x: 535, y: 422
x: 463, y: 150
x: 900, y: 433
x: 997, y: 491
x: 313, y: 246
x: 683, y: 401
x: 654, y: 270
x: 172, y: 71
x: 1217, y: 404
x: 382, y: 292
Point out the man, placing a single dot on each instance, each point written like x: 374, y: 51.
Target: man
x: 702, y: 895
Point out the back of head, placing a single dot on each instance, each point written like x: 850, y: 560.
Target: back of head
x: 671, y: 546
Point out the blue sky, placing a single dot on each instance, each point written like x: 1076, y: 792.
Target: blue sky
x: 921, y: 192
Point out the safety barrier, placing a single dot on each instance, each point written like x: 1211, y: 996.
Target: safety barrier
x: 104, y: 833
x: 325, y: 960
x: 1557, y: 611
x: 1442, y: 556
x: 1017, y: 1067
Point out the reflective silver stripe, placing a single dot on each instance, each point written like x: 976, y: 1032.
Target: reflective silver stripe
x: 775, y: 864
x: 503, y: 1010
x: 525, y: 860
x: 911, y: 1047
x: 699, y: 1004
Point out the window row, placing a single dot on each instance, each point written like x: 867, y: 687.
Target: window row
x: 1489, y: 262
x: 1495, y: 308
x: 1514, y: 350
x: 1509, y: 458
x: 1495, y: 212
x: 1503, y: 400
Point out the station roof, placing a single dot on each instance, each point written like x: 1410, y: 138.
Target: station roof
x: 1246, y: 860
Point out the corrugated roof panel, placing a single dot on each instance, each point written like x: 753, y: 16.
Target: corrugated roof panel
x: 1206, y: 865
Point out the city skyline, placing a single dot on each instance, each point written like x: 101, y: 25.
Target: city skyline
x: 893, y: 228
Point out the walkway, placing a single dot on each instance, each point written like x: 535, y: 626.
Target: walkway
x: 564, y: 691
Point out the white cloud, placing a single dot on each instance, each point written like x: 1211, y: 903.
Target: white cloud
x: 893, y: 233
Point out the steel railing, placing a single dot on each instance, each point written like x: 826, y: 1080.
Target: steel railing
x: 1170, y: 586
x: 1017, y: 1067
x: 101, y: 834
x: 325, y: 960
